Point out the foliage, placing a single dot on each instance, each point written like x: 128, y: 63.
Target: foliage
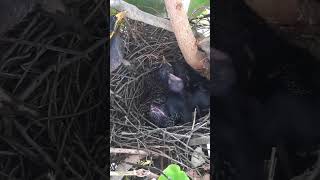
x: 157, y: 7
x: 174, y: 172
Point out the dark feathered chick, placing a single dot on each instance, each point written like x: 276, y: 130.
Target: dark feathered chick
x: 168, y: 80
x: 160, y: 116
x: 179, y: 101
x: 200, y: 99
x: 175, y: 107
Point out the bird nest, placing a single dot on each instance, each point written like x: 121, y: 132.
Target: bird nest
x: 133, y: 86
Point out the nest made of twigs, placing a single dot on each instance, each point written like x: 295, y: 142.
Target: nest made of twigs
x: 132, y: 87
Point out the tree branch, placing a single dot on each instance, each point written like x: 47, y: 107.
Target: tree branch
x: 136, y: 14
x: 186, y: 40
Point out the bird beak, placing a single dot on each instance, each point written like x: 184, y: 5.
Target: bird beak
x: 173, y: 77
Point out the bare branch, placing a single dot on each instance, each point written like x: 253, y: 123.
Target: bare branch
x: 136, y: 14
x: 186, y: 40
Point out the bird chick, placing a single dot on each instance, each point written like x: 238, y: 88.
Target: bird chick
x: 174, y: 108
x: 175, y: 84
x: 200, y: 100
x: 178, y: 107
x: 160, y: 116
x: 170, y: 81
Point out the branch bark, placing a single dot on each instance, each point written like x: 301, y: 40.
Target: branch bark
x: 179, y: 24
x: 186, y: 40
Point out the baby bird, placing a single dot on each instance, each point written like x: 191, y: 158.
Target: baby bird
x: 177, y: 103
x: 172, y: 106
x: 196, y: 88
x: 160, y: 116
x: 200, y: 100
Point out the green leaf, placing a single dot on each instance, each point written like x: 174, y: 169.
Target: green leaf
x: 155, y: 7
x: 195, y: 7
x: 174, y: 172
x: 158, y: 8
x: 113, y: 11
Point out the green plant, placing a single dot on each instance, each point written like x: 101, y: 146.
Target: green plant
x: 173, y: 172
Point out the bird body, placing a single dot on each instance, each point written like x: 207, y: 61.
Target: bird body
x: 179, y: 100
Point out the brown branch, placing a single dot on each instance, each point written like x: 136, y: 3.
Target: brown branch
x: 186, y: 40
x: 136, y: 14
x: 127, y: 151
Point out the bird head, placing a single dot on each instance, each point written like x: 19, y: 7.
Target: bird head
x: 175, y: 83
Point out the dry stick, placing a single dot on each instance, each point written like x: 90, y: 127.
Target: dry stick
x: 38, y: 80
x: 71, y: 43
x: 193, y: 122
x: 73, y: 170
x: 93, y: 12
x: 20, y: 149
x: 76, y: 109
x: 199, y: 141
x: 141, y: 172
x: 41, y: 45
x: 96, y: 45
x: 127, y: 151
x: 136, y: 14
x: 34, y: 31
x: 9, y: 75
x: 72, y: 114
x: 51, y: 99
x: 67, y: 92
x: 41, y: 35
x: 39, y: 54
x: 272, y: 166
x: 10, y: 60
x: 26, y: 31
x: 316, y: 172
x: 30, y: 141
x: 5, y: 97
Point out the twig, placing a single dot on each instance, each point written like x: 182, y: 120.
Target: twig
x: 40, y: 45
x: 193, y: 122
x: 38, y: 80
x: 199, y: 141
x: 46, y: 157
x: 20, y: 107
x: 127, y: 151
x: 93, y: 12
x: 134, y: 13
x: 316, y: 172
x: 138, y: 173
x: 272, y: 165
x: 73, y: 114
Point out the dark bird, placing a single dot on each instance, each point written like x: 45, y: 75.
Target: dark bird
x: 178, y: 102
x: 116, y: 44
x: 200, y: 99
x: 160, y: 116
x: 171, y: 106
x: 196, y: 87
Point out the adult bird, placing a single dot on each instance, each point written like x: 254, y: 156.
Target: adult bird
x: 116, y: 44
